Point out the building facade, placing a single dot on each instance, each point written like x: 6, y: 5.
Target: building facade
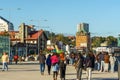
x: 27, y: 40
x: 24, y: 31
x: 5, y: 25
x: 83, y: 36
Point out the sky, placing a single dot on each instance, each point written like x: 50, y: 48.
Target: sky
x: 62, y: 16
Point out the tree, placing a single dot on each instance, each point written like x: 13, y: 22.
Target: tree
x: 61, y: 37
x: 96, y: 41
x: 112, y: 41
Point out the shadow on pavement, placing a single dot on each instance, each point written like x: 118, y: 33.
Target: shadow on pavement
x: 70, y: 79
x: 71, y: 74
x: 24, y: 70
x: 104, y: 79
x: 96, y: 79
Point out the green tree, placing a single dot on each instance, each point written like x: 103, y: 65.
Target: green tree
x: 61, y: 37
x: 96, y: 41
x: 64, y: 39
x: 112, y: 41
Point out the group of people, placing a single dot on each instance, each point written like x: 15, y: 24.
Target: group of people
x: 102, y: 61
x: 105, y: 62
x: 54, y: 62
x: 86, y: 62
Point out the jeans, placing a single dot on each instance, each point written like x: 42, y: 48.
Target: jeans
x: 98, y: 66
x: 5, y: 66
x: 42, y: 67
x: 72, y: 61
x: 89, y: 73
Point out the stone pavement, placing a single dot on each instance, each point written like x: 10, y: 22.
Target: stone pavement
x: 31, y: 72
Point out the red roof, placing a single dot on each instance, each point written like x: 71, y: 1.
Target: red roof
x: 35, y: 35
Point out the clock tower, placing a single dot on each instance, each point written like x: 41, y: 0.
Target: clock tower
x: 83, y: 37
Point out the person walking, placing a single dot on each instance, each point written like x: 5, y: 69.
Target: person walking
x: 42, y: 59
x: 101, y: 57
x: 112, y: 60
x: 72, y: 58
x: 55, y: 66
x: 98, y: 62
x: 10, y: 59
x: 106, y: 62
x: 62, y: 66
x: 67, y: 59
x: 16, y: 59
x: 79, y: 66
x: 5, y: 60
x: 48, y: 63
x: 90, y: 62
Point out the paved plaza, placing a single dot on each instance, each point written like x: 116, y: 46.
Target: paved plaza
x: 31, y: 72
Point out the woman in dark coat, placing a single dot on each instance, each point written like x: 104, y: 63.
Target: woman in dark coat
x: 48, y: 62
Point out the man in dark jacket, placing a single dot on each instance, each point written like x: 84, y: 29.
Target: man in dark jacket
x: 79, y: 66
x: 90, y: 62
x: 42, y: 59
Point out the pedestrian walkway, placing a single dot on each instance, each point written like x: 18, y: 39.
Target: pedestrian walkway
x: 31, y: 72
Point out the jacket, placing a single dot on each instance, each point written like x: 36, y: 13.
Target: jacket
x: 54, y: 59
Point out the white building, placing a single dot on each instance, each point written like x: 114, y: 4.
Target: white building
x: 5, y: 25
